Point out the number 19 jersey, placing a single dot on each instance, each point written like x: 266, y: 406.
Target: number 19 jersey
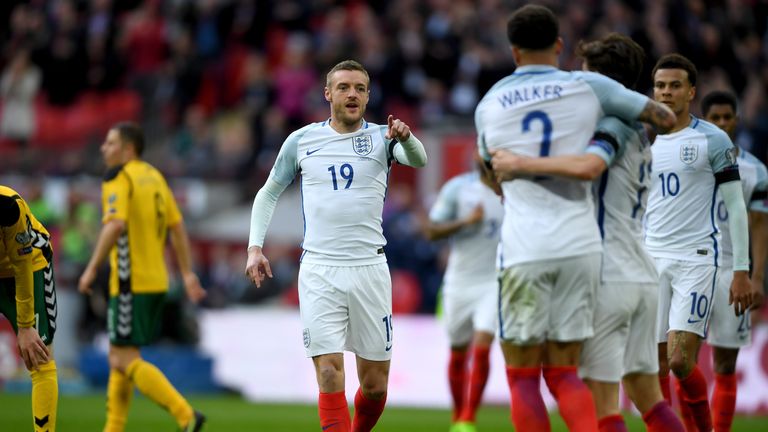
x: 343, y: 184
x: 541, y: 111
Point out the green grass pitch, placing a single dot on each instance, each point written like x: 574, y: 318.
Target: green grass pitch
x: 231, y: 413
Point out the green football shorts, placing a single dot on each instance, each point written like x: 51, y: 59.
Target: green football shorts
x: 132, y: 319
x: 44, y: 292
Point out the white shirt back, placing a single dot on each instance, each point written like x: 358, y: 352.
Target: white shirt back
x: 542, y: 111
x: 681, y: 204
x: 343, y: 184
x: 473, y: 249
x: 621, y: 195
x: 754, y: 177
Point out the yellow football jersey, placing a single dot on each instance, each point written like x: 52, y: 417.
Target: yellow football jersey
x: 25, y: 247
x: 138, y: 194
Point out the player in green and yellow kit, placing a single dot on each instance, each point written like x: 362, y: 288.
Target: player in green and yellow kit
x: 138, y: 211
x: 28, y: 300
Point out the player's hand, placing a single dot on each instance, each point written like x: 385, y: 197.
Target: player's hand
x: 741, y: 293
x: 32, y: 349
x: 257, y: 267
x: 86, y: 280
x: 397, y: 129
x: 195, y: 291
x: 476, y: 216
x: 506, y: 165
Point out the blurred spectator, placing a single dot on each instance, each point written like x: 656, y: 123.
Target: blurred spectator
x: 63, y: 58
x: 18, y: 87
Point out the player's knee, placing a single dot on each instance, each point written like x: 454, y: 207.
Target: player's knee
x: 374, y: 391
x: 328, y: 374
x: 680, y: 364
x: 119, y: 360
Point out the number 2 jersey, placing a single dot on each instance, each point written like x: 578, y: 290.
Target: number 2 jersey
x: 542, y: 111
x: 343, y: 180
x: 138, y: 194
x: 687, y: 167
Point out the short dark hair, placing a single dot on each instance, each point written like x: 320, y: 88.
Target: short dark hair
x: 533, y: 27
x: 350, y: 65
x: 9, y: 211
x: 615, y: 56
x: 132, y: 133
x: 676, y: 61
x: 718, y: 97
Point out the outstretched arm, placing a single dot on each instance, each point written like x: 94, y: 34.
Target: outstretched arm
x: 440, y: 230
x: 508, y: 166
x: 180, y: 242
x: 659, y: 115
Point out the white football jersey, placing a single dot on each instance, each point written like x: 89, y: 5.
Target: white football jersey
x: 343, y: 183
x: 754, y: 178
x: 543, y: 111
x: 681, y: 204
x: 473, y: 249
x: 621, y: 195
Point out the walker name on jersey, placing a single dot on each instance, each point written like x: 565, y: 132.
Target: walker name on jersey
x: 532, y: 93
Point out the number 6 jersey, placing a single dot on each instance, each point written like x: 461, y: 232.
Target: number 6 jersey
x: 540, y: 111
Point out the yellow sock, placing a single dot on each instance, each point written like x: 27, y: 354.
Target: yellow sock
x: 119, y: 395
x: 45, y: 396
x: 154, y: 385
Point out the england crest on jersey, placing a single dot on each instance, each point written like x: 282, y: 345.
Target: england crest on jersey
x: 362, y: 145
x: 689, y: 153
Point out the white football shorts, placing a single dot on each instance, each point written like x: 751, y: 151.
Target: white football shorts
x: 625, y: 332
x: 726, y: 330
x: 549, y: 300
x: 686, y: 291
x: 468, y: 309
x: 346, y: 309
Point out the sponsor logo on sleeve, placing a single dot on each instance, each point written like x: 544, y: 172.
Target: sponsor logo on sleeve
x: 23, y: 238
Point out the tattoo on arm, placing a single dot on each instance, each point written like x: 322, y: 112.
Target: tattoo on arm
x: 658, y: 115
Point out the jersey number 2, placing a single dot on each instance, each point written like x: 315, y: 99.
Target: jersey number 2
x: 546, y: 137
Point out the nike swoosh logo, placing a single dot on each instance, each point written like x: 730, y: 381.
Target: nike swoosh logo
x: 389, y: 347
x: 332, y: 424
x: 309, y: 153
x: 693, y: 322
